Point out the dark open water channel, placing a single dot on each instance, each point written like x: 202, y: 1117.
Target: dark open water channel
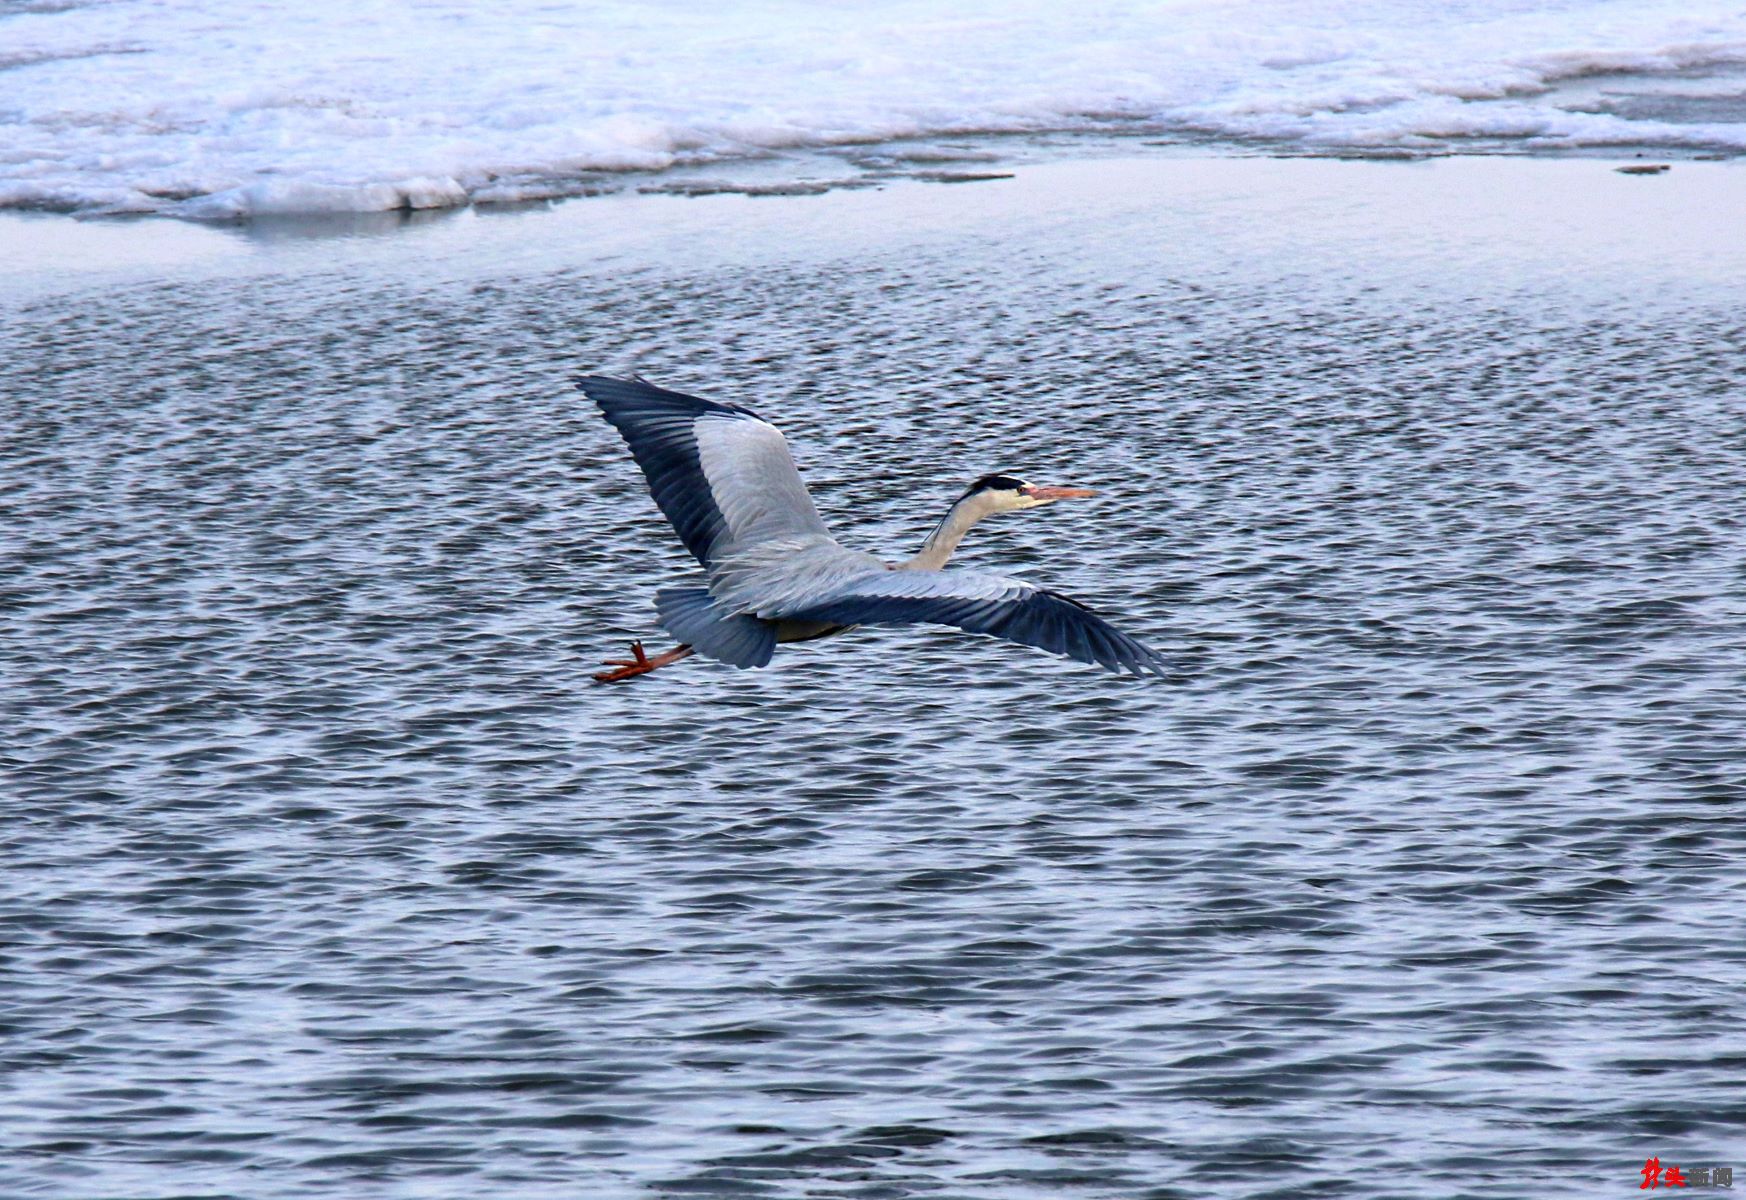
x: 325, y: 871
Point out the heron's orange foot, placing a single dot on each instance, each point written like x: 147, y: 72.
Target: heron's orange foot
x: 627, y: 667
x: 642, y: 664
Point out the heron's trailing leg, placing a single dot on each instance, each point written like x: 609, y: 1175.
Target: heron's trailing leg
x: 642, y: 664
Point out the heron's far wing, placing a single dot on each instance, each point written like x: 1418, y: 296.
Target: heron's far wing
x: 981, y: 602
x: 720, y: 472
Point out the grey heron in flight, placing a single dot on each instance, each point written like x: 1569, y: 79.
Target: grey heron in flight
x: 724, y: 478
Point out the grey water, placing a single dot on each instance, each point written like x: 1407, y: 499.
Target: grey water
x: 326, y: 871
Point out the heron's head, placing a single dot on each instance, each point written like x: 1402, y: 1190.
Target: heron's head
x: 1008, y: 493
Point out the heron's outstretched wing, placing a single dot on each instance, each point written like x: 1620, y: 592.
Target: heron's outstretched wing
x: 720, y: 472
x: 982, y: 603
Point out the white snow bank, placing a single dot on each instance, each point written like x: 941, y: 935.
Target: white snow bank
x: 257, y: 106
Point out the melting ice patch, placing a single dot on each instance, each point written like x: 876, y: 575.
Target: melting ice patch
x: 213, y: 110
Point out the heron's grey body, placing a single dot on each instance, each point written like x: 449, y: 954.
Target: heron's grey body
x: 774, y: 574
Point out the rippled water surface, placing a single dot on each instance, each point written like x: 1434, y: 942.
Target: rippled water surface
x: 326, y: 871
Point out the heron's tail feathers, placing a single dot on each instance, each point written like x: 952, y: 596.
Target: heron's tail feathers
x: 690, y: 614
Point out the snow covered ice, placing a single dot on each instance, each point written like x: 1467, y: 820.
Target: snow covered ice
x: 201, y: 109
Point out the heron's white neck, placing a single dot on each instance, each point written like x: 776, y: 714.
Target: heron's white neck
x: 951, y: 530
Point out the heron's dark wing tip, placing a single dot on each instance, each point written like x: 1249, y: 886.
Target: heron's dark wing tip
x: 1103, y: 644
x: 637, y: 395
x: 590, y: 378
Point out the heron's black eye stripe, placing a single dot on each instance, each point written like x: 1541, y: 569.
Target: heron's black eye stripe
x: 1000, y: 483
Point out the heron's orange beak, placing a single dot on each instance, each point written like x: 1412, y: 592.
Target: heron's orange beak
x: 1058, y: 493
